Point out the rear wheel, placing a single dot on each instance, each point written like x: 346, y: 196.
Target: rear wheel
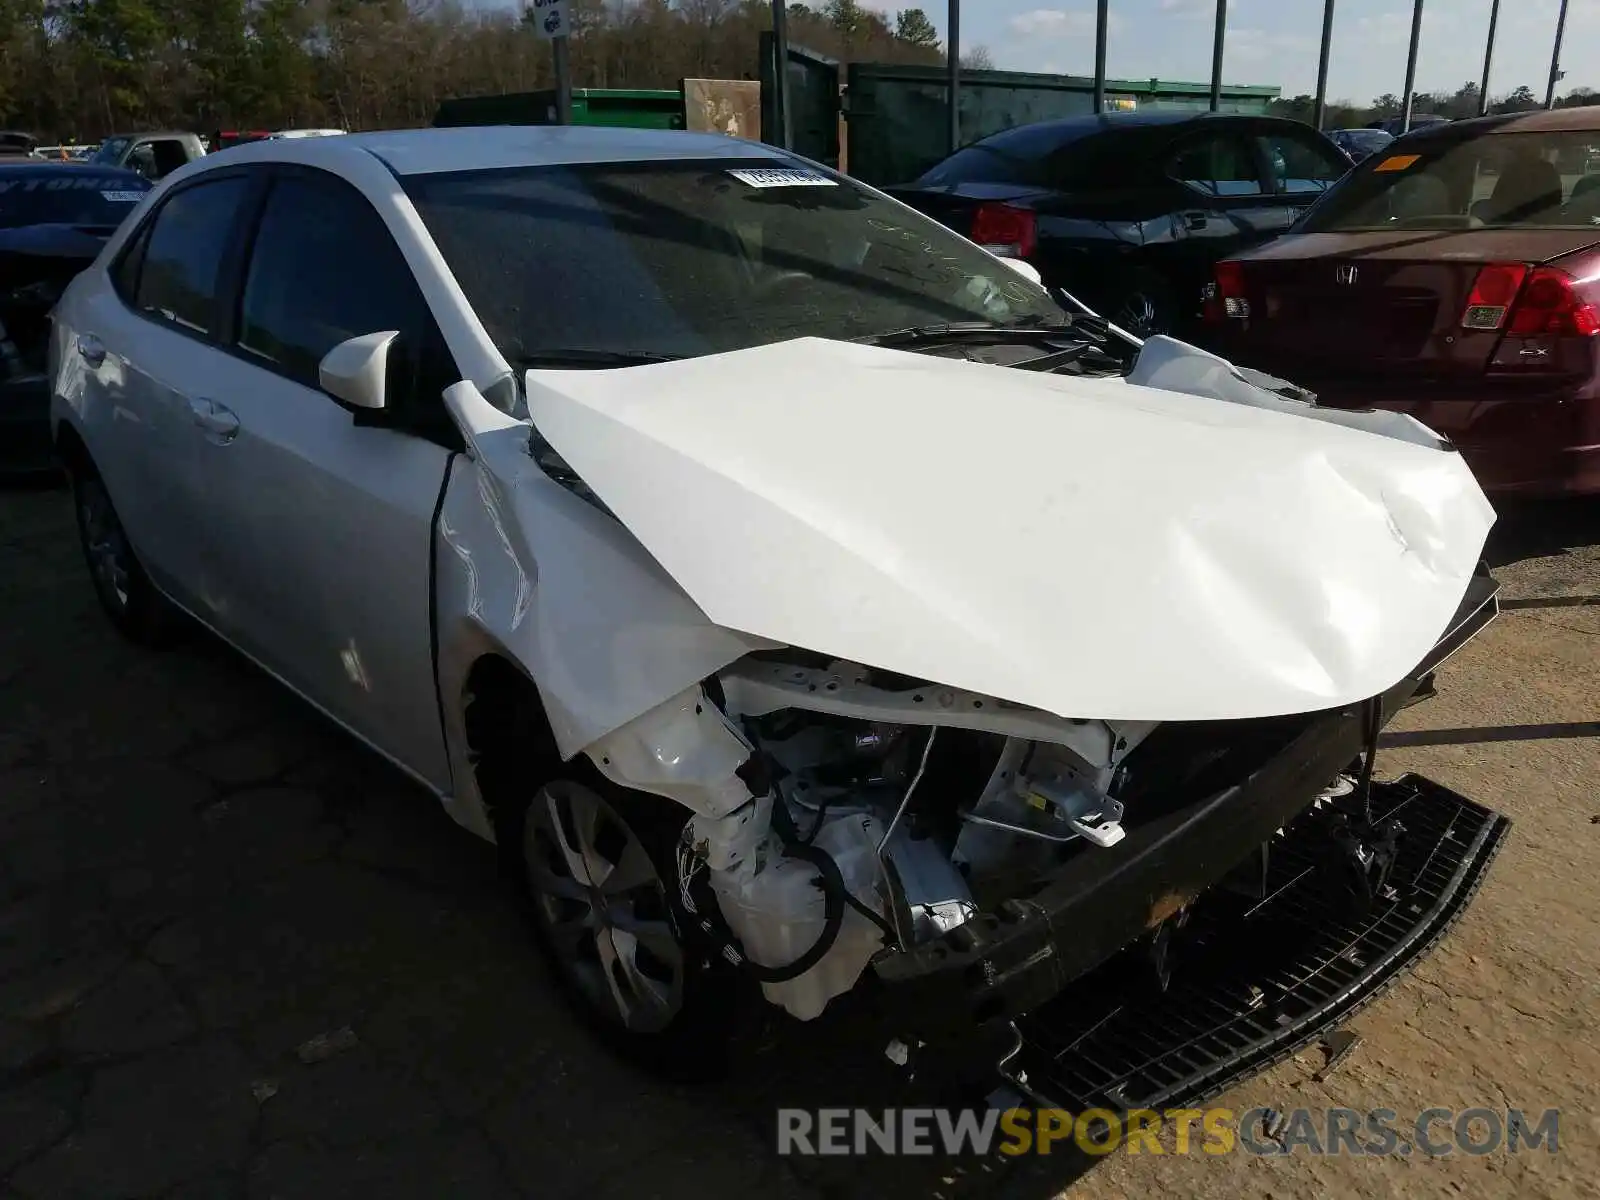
x: 1146, y: 306
x: 129, y: 599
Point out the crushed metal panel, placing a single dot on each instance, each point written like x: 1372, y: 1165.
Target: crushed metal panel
x: 532, y: 572
x: 1087, y: 547
x: 730, y: 106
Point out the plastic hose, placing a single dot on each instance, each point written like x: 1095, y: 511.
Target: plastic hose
x: 835, y: 895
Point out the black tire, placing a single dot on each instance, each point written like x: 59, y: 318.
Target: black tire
x: 131, y: 602
x: 1146, y: 305
x: 691, y: 1038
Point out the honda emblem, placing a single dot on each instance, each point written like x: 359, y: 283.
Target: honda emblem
x: 1345, y: 274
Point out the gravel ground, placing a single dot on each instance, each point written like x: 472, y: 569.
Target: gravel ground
x: 240, y: 957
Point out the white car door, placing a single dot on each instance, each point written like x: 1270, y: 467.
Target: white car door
x: 325, y: 567
x: 142, y: 351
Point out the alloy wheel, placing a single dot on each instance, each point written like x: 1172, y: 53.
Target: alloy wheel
x: 1141, y: 315
x: 602, y: 903
x: 105, y: 544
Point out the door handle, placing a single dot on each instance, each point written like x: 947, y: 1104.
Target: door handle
x: 91, y: 349
x: 214, y: 419
x: 1193, y: 220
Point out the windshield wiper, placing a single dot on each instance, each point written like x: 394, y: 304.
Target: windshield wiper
x: 585, y: 356
x: 976, y: 331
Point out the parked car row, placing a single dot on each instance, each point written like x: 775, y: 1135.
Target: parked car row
x: 1130, y: 210
x: 156, y: 155
x: 1457, y: 280
x: 153, y: 155
x: 1453, y: 273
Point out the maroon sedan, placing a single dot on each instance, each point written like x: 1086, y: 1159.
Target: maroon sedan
x: 1455, y: 276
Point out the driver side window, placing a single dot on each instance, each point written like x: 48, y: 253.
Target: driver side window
x: 1301, y: 166
x: 142, y: 159
x: 325, y: 269
x: 1218, y: 165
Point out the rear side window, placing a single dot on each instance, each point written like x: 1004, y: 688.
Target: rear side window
x: 1301, y: 165
x: 1021, y: 155
x: 125, y: 271
x: 1218, y: 165
x: 1455, y: 179
x: 182, y: 258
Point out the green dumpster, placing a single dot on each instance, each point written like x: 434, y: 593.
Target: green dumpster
x: 897, y: 117
x: 633, y: 108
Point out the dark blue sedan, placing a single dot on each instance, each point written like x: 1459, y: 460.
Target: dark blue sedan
x: 54, y: 218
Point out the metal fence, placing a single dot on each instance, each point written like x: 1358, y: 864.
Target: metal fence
x: 780, y: 29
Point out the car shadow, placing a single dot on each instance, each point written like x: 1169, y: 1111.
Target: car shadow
x: 1490, y: 733
x: 1542, y: 529
x: 716, y: 1136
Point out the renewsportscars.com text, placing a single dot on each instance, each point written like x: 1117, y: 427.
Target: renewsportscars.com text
x: 1378, y: 1132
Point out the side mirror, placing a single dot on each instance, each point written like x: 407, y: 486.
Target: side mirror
x: 1026, y: 269
x: 356, y: 371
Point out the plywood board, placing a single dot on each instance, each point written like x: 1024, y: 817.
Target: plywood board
x: 731, y: 106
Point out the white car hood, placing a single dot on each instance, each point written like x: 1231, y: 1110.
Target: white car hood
x: 1092, y: 548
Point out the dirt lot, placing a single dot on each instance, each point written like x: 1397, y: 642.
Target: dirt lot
x: 198, y: 881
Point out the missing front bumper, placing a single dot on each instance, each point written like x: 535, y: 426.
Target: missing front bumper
x: 1004, y: 964
x: 1257, y: 979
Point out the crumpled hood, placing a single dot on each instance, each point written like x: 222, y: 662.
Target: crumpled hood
x: 1092, y: 548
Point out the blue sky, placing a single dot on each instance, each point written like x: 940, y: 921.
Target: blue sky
x: 1275, y: 41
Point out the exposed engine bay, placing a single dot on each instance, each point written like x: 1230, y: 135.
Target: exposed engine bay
x: 844, y: 815
x: 932, y: 803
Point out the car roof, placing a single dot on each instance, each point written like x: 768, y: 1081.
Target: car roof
x: 1146, y: 118
x: 433, y: 151
x: 1583, y: 119
x: 1161, y: 123
x: 23, y: 168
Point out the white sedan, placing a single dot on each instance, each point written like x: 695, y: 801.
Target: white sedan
x: 781, y: 580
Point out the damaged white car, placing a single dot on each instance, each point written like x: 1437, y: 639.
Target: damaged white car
x: 797, y: 593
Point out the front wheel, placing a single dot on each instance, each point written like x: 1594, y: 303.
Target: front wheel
x: 596, y: 863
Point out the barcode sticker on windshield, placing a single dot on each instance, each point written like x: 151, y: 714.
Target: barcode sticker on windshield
x: 123, y: 197
x: 775, y: 177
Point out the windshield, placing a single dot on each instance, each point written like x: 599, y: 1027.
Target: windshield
x: 110, y: 150
x: 1369, y: 140
x: 69, y: 196
x: 687, y: 258
x: 1485, y: 181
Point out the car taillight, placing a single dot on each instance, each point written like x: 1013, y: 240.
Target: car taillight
x: 1224, y: 296
x: 1006, y: 231
x: 1542, y: 302
x: 1551, y: 304
x: 1492, y: 293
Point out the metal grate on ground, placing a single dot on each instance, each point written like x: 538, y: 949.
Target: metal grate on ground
x: 1255, y: 979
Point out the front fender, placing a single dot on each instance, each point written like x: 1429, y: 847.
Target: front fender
x: 531, y: 572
